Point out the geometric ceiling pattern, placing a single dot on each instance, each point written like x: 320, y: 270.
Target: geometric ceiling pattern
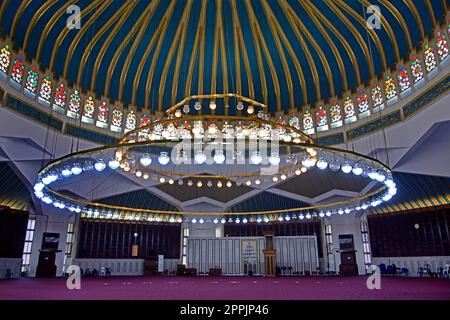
x: 285, y: 53
x: 13, y: 192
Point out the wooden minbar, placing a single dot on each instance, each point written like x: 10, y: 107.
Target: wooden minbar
x: 270, y: 255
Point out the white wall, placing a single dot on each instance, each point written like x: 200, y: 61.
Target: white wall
x: 300, y: 253
x: 347, y: 224
x: 52, y: 221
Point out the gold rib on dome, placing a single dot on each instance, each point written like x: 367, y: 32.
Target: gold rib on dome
x: 242, y: 45
x: 114, y: 19
x: 63, y: 34
x: 178, y: 40
x: 152, y: 7
x: 363, y: 23
x: 107, y: 43
x: 412, y: 7
x: 288, y: 13
x: 401, y: 20
x: 156, y: 36
x: 36, y: 17
x: 194, y: 53
x: 389, y: 31
x: 272, y: 20
x: 49, y: 26
x: 22, y: 7
x: 118, y: 52
x: 162, y: 36
x: 362, y: 43
x: 84, y: 28
x: 313, y: 14
x: 260, y: 43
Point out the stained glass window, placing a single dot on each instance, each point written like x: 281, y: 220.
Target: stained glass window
x: 321, y: 117
x: 294, y: 121
x: 102, y: 114
x: 32, y: 81
x: 117, y: 118
x: 5, y: 59
x: 60, y: 97
x: 389, y: 85
x: 363, y: 102
x: 430, y: 59
x: 349, y: 108
x: 308, y: 123
x: 281, y: 120
x: 88, y: 110
x: 403, y: 79
x: 376, y: 95
x: 74, y: 106
x: 441, y: 46
x: 17, y: 70
x: 45, y: 92
x: 131, y: 121
x: 416, y: 69
x: 335, y: 113
x: 145, y: 120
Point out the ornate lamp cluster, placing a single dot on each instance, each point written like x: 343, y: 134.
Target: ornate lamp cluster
x: 139, y: 153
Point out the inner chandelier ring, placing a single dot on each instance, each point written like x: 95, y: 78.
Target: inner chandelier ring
x: 209, y: 152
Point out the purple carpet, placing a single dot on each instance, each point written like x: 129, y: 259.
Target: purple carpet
x: 226, y: 288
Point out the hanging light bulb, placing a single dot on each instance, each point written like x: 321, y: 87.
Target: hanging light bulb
x: 248, y: 183
x: 178, y: 113
x: 146, y: 160
x: 199, y: 184
x: 76, y: 169
x: 298, y: 172
x: 162, y: 180
x: 171, y: 181
x: 357, y: 170
x: 186, y: 108
x: 114, y: 164
x: 219, y: 157
x: 100, y: 165
x: 346, y: 168
x: 257, y: 182
x: 256, y: 158
x: 190, y: 183
x: 250, y: 110
x: 334, y: 166
x: 229, y: 184
x: 200, y: 157
x: 322, y: 164
x: 145, y: 176
x: 212, y: 105
x: 219, y: 184
x: 240, y: 106
x: 197, y: 106
x: 274, y: 159
x: 163, y: 158
x: 66, y: 172
x: 138, y: 173
x: 308, y: 162
x: 209, y: 184
x: 88, y: 166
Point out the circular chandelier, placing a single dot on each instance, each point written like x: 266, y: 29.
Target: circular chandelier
x: 200, y: 149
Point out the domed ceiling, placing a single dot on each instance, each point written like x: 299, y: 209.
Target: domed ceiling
x: 285, y: 53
